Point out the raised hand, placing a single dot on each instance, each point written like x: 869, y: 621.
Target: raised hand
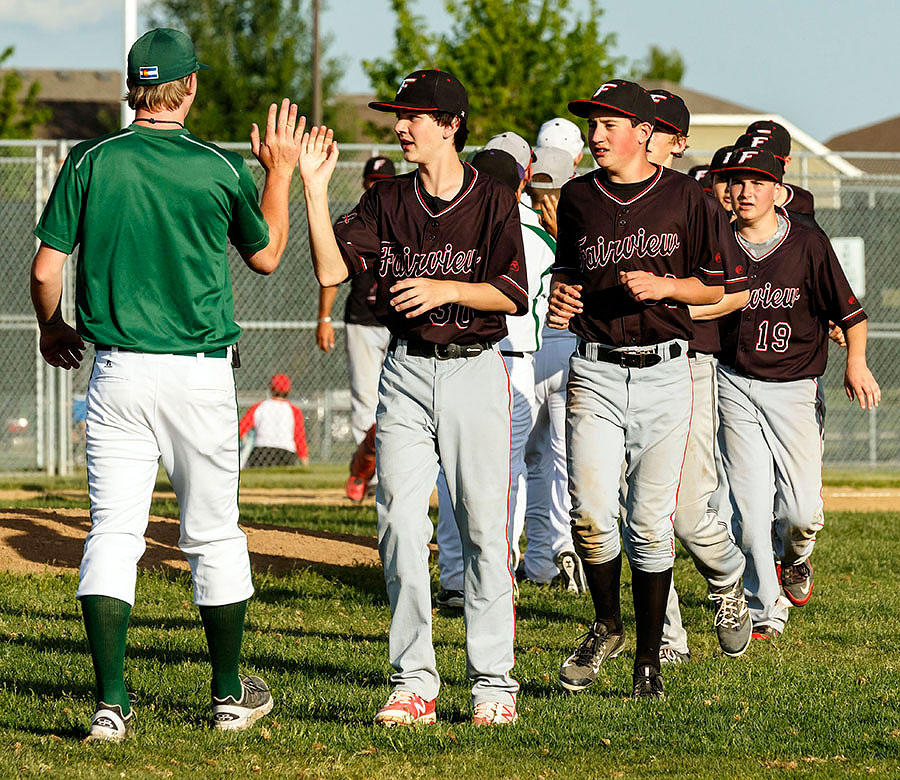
x: 318, y: 157
x: 279, y: 150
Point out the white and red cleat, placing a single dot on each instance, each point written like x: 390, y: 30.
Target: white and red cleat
x: 494, y: 713
x: 405, y: 708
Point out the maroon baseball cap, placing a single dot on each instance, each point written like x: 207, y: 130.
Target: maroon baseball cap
x: 426, y: 91
x: 672, y: 115
x: 719, y: 158
x: 379, y: 168
x: 622, y: 97
x: 759, y: 162
x: 766, y: 134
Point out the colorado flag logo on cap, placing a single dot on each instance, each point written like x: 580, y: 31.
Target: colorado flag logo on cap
x: 149, y: 72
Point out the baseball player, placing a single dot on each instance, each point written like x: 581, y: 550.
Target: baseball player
x: 773, y: 351
x: 367, y: 344
x: 636, y: 245
x: 277, y: 426
x: 696, y: 524
x: 446, y: 246
x: 720, y: 181
x: 517, y: 349
x: 550, y: 552
x: 562, y: 133
x: 769, y: 135
x: 150, y: 208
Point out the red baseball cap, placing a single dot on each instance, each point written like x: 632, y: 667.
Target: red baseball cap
x: 281, y: 383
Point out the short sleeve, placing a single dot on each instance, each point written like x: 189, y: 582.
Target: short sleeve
x: 357, y: 233
x: 60, y: 223
x: 248, y: 231
x: 734, y: 261
x: 704, y: 253
x: 833, y: 293
x: 506, y: 265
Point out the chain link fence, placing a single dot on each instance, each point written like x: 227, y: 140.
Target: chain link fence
x: 42, y: 409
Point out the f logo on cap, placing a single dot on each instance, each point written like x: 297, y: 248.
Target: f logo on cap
x: 604, y: 87
x: 406, y: 82
x: 747, y: 154
x: 656, y: 98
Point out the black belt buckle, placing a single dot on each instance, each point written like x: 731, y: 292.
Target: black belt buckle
x: 638, y: 359
x: 446, y: 351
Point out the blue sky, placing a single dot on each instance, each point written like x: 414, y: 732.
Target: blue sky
x: 827, y: 66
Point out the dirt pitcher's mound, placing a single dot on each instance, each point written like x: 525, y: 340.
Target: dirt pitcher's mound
x: 40, y: 540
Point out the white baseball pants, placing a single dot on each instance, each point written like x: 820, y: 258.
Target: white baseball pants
x: 366, y: 347
x: 142, y: 408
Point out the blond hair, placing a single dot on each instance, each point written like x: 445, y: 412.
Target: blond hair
x: 157, y: 97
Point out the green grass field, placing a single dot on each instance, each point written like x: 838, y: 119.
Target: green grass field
x: 822, y: 701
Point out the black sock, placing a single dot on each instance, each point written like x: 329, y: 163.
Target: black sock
x: 603, y: 581
x: 651, y: 592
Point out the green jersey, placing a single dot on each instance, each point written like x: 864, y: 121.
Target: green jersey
x: 152, y: 212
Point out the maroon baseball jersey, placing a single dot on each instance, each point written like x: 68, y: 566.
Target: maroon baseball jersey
x: 665, y: 229
x: 799, y: 200
x: 734, y: 265
x: 476, y: 237
x: 795, y: 289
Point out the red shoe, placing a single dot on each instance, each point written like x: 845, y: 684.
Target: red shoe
x: 355, y: 488
x: 765, y: 632
x: 494, y: 713
x: 405, y: 708
x: 797, y: 582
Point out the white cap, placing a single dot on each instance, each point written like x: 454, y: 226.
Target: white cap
x: 514, y: 145
x: 556, y: 163
x: 563, y: 134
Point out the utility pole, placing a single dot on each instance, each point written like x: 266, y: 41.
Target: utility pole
x: 316, y: 71
x: 130, y: 36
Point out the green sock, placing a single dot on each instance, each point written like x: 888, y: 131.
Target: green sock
x: 106, y: 624
x: 224, y: 627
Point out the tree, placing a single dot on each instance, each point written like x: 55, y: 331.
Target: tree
x: 259, y: 51
x: 521, y: 61
x: 19, y: 115
x: 660, y: 65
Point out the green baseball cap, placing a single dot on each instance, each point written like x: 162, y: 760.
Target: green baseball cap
x: 160, y: 56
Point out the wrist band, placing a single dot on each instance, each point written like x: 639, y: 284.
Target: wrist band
x: 324, y: 319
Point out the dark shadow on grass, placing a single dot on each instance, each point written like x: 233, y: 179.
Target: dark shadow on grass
x: 12, y: 681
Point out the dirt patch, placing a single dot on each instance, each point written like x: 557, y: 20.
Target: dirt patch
x: 41, y: 540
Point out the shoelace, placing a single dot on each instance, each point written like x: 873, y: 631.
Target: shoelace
x: 250, y: 685
x: 588, y: 647
x: 791, y: 575
x: 404, y: 697
x: 730, y: 610
x: 490, y: 710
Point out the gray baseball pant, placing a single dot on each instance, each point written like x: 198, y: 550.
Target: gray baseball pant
x: 697, y: 526
x: 454, y: 414
x: 773, y: 454
x: 642, y: 415
x: 366, y: 347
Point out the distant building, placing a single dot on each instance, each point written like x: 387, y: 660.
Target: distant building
x: 84, y: 103
x: 880, y: 137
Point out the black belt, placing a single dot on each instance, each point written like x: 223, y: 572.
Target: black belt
x: 441, y: 351
x: 511, y: 353
x: 216, y: 353
x: 643, y: 359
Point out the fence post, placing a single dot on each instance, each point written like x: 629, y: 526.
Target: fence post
x: 873, y: 436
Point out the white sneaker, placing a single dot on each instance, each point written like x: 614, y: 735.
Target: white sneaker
x: 230, y: 714
x: 109, y: 725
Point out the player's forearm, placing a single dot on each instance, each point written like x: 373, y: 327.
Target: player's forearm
x: 328, y: 263
x: 46, y: 283
x: 274, y: 208
x: 327, y: 297
x: 856, y: 337
x: 730, y: 302
x: 482, y: 296
x: 692, y: 291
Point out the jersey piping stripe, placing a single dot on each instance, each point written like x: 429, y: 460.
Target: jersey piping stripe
x: 742, y: 243
x: 454, y: 204
x: 852, y: 314
x: 95, y: 146
x: 518, y: 287
x: 641, y: 194
x: 712, y: 272
x: 736, y: 279
x: 790, y: 197
x: 214, y: 151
